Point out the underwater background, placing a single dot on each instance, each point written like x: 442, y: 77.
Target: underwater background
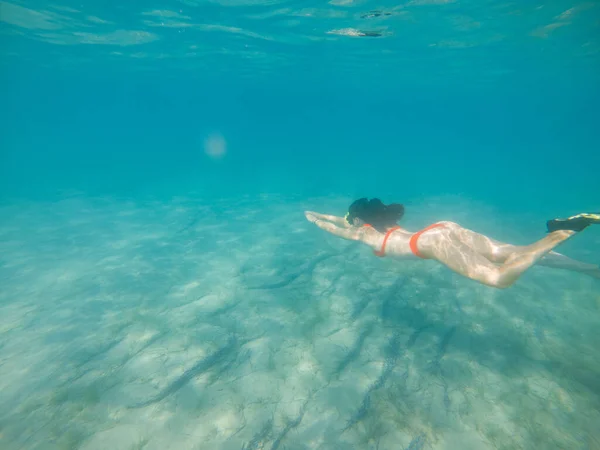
x: 160, y: 287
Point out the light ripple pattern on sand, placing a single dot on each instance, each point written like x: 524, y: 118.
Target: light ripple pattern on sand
x: 108, y: 304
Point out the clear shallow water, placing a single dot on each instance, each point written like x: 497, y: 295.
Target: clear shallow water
x: 188, y: 324
x: 162, y: 289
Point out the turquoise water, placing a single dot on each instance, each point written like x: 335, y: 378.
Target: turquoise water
x: 162, y: 289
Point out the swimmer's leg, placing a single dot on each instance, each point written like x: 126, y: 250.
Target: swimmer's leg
x: 499, y: 252
x: 560, y: 261
x: 447, y: 247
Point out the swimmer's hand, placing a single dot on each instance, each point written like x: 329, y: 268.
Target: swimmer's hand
x: 334, y: 225
x: 312, y: 217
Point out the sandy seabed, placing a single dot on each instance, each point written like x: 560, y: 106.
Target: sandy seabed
x: 236, y: 324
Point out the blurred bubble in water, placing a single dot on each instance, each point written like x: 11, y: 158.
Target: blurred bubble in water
x: 215, y: 146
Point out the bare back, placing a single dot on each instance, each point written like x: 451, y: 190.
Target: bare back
x: 397, y: 244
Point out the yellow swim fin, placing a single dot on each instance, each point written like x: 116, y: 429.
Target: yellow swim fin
x: 575, y: 223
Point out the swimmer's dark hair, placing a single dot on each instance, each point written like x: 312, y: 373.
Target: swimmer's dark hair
x: 375, y: 213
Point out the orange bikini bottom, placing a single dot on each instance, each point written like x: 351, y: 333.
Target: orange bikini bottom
x: 413, y: 239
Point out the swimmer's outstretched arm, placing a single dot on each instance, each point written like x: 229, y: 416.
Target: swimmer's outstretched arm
x: 350, y: 233
x: 339, y: 221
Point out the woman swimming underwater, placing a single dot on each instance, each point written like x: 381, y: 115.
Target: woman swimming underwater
x: 466, y: 252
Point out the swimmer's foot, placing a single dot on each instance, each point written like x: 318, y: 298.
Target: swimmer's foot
x: 574, y: 223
